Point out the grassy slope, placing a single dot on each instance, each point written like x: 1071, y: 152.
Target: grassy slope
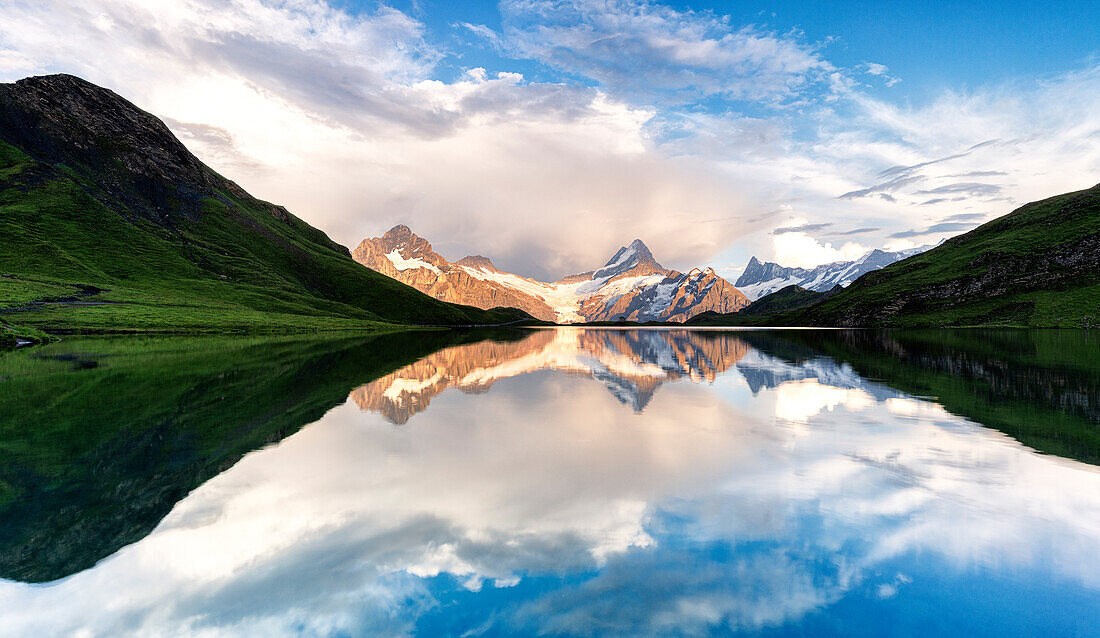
x: 1018, y: 241
x: 944, y: 286
x: 1040, y: 387
x: 783, y: 300
x: 99, y: 438
x: 233, y: 267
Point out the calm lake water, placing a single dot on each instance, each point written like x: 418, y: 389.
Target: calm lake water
x: 575, y: 482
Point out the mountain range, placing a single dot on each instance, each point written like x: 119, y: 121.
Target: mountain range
x: 110, y: 224
x: 1038, y: 266
x: 762, y: 279
x: 631, y: 286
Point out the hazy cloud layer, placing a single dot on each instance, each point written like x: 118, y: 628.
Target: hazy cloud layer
x: 730, y: 133
x: 650, y: 51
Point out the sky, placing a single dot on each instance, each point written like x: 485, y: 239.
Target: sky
x: 547, y: 133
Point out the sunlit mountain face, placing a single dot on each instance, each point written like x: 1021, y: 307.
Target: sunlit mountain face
x: 644, y: 482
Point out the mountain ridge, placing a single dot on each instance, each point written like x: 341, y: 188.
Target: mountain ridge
x: 97, y: 194
x: 1037, y: 266
x: 760, y: 279
x: 631, y: 285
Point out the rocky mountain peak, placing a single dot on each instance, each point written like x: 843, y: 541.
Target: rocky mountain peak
x: 632, y: 284
x: 398, y: 230
x: 760, y: 279
x: 477, y: 261
x: 65, y: 119
x: 635, y: 259
x: 402, y: 239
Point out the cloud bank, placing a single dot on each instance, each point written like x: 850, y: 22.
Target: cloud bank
x: 699, y: 135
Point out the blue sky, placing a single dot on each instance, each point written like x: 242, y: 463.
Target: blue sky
x: 932, y: 45
x: 547, y: 133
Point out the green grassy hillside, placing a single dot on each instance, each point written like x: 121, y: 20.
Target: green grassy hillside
x: 764, y: 310
x: 110, y: 224
x: 1037, y: 266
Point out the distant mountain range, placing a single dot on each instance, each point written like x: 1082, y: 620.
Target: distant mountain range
x: 1038, y: 266
x: 632, y: 285
x: 762, y: 279
x: 110, y: 224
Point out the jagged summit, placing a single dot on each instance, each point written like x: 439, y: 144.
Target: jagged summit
x: 477, y: 261
x: 632, y: 285
x: 759, y: 279
x: 397, y: 231
x: 635, y: 259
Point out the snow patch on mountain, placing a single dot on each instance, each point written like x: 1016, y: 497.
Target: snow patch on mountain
x: 631, y: 285
x: 401, y: 263
x: 761, y: 279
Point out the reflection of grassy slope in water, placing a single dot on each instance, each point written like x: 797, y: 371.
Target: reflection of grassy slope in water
x: 100, y: 438
x: 1040, y: 387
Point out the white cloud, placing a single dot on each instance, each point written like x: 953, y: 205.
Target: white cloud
x: 339, y: 117
x: 653, y: 51
x: 802, y: 250
x: 336, y: 117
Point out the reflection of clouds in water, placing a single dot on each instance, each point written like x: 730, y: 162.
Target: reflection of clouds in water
x: 692, y: 515
x: 799, y: 400
x: 674, y: 592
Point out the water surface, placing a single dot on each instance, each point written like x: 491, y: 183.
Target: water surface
x: 556, y: 482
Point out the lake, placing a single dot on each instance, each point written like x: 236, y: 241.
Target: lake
x: 569, y: 481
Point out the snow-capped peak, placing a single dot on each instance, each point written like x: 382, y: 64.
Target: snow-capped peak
x: 760, y: 279
x: 627, y: 258
x: 630, y: 285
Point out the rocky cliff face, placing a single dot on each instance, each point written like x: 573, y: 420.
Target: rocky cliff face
x: 136, y: 160
x: 632, y: 285
x: 408, y: 258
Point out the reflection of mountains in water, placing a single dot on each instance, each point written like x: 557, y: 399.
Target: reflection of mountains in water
x: 632, y: 364
x: 1039, y: 387
x: 1042, y: 387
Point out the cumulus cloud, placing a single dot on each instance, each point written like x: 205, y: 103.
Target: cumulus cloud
x: 800, y: 249
x: 653, y: 51
x: 337, y: 117
x: 880, y: 71
x: 349, y: 121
